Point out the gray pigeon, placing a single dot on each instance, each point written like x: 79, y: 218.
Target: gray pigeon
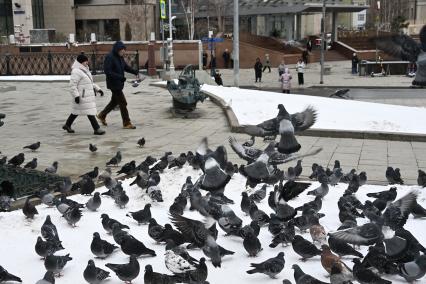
x: 94, y: 202
x: 302, y: 278
x: 115, y: 160
x: 413, y: 270
x: 52, y: 169
x: 142, y: 216
x: 48, y: 278
x: 33, y: 147
x: 29, y: 209
x: 126, y: 272
x: 49, y: 231
x: 101, y: 248
x: 5, y: 276
x: 270, y: 267
x: 93, y: 148
x: 44, y: 249
x: 65, y: 186
x: 31, y: 165
x: 56, y: 263
x: 122, y: 199
x: 252, y: 244
x: 47, y: 198
x: 334, y: 179
x: 93, y: 274
x: 320, y: 191
x: 151, y: 277
x: 105, y: 174
x: 259, y: 194
x: 73, y: 215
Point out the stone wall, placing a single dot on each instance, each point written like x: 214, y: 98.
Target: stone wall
x: 59, y: 15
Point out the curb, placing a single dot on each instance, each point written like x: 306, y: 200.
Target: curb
x: 7, y: 89
x: 373, y: 135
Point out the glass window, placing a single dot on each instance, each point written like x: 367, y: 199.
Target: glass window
x: 105, y: 30
x: 38, y: 14
x: 6, y: 18
x: 361, y: 17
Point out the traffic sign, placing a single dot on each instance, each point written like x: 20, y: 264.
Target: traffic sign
x: 163, y: 9
x: 213, y: 39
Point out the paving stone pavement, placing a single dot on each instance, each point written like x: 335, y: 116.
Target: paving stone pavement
x: 37, y: 111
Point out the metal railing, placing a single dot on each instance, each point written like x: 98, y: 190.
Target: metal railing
x: 48, y: 63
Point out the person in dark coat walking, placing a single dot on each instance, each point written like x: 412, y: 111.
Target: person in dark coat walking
x: 309, y: 45
x: 226, y: 58
x: 114, y: 68
x: 258, y: 70
x: 205, y: 57
x: 355, y: 61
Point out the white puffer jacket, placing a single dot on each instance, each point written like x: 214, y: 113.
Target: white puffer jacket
x: 81, y: 84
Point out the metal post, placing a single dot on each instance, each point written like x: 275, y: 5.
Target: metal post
x: 323, y: 43
x: 8, y: 65
x: 137, y: 60
x: 236, y: 47
x: 49, y: 59
x: 172, y: 66
x: 162, y: 39
x: 93, y: 63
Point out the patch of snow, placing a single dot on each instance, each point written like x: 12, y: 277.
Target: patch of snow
x: 36, y: 78
x: 19, y: 236
x: 253, y: 107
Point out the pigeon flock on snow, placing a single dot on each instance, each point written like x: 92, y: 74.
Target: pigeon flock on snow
x: 378, y: 223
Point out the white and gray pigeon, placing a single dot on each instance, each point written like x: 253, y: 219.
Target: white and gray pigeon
x: 104, y: 174
x: 53, y: 168
x: 93, y: 274
x: 271, y: 267
x: 176, y: 263
x: 94, y: 202
x: 56, y: 263
x: 406, y: 48
x: 48, y: 278
x: 413, y: 270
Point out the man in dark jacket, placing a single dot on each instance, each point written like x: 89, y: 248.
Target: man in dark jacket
x: 355, y: 62
x: 114, y: 68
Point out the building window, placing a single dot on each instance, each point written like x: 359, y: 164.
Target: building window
x: 361, y: 17
x: 105, y: 30
x: 38, y: 14
x: 6, y: 18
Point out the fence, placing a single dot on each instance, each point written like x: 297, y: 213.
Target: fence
x: 47, y: 63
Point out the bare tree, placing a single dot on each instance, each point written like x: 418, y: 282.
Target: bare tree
x: 188, y: 7
x: 136, y: 14
x: 220, y: 7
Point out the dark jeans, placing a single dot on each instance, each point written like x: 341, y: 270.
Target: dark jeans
x: 286, y: 91
x: 354, y: 69
x: 301, y: 79
x: 91, y: 118
x: 259, y: 78
x: 117, y: 99
x: 269, y: 67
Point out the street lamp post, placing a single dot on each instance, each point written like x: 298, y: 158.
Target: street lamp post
x: 323, y: 43
x: 172, y: 66
x: 236, y: 43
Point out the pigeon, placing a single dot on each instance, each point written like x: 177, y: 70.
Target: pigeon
x: 29, y: 209
x: 44, y: 249
x: 178, y: 162
x: 258, y: 215
x: 128, y: 169
x: 376, y: 258
x: 320, y: 191
x: 142, y: 216
x: 3, y: 160
x: 73, y: 216
x: 94, y: 202
x: 286, y: 125
x: 46, y: 197
x: 250, y: 142
x: 362, y: 178
x: 155, y: 194
x: 155, y: 230
x: 56, y: 263
x: 271, y: 267
x: 33, y: 147
x: 413, y: 270
x: 341, y: 93
x: 132, y: 246
x: 169, y: 233
x: 31, y: 164
x: 115, y: 160
x: 122, y: 199
x: 328, y: 259
x: 259, y: 194
x: 304, y: 248
x: 406, y: 48
x: 318, y: 234
x: 92, y: 174
x: 176, y: 263
x: 152, y: 277
x: 301, y: 278
x: 93, y: 274
x: 387, y: 195
x: 5, y: 276
x: 338, y: 276
x: 229, y: 222
x: 246, y: 203
x: 365, y: 275
x: 119, y: 234
x: 215, y: 252
x: 341, y: 248
x: 334, y: 179
x: 418, y: 211
x: 93, y: 148
x: 65, y: 186
x: 48, y: 278
x: 105, y: 174
x: 108, y: 222
x: 193, y: 231
x: 101, y: 248
x: 291, y: 174
x: 52, y: 169
x: 214, y: 177
x: 141, y: 142
x: 141, y: 180
x: 392, y: 176
x: 285, y: 236
x: 252, y: 244
x: 17, y: 160
x: 252, y: 227
x: 87, y: 186
x: 126, y: 272
x: 367, y: 234
x: 298, y: 168
x: 49, y: 232
x: 421, y: 179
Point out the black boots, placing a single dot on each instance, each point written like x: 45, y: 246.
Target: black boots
x: 68, y: 129
x: 99, y: 132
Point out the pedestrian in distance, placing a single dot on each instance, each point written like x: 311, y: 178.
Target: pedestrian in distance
x: 309, y: 45
x: 286, y: 81
x: 205, y: 57
x: 258, y: 70
x: 267, y: 63
x: 114, y: 68
x: 281, y: 68
x: 83, y: 92
x: 300, y: 67
x: 305, y: 56
x: 226, y: 58
x: 355, y: 62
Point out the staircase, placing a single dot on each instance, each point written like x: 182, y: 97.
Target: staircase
x: 330, y: 55
x: 270, y: 43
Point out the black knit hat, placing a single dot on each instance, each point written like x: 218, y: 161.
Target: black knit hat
x: 82, y: 58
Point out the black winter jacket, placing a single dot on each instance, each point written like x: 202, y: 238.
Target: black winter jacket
x: 115, y: 66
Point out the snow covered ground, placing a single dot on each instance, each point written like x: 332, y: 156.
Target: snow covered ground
x: 253, y: 107
x: 38, y: 78
x: 18, y: 236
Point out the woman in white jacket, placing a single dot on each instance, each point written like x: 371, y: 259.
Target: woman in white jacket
x: 83, y: 92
